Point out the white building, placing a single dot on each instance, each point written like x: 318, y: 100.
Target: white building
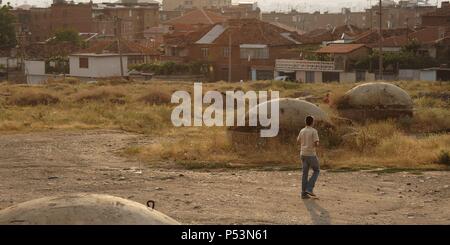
x: 309, y: 71
x: 92, y: 65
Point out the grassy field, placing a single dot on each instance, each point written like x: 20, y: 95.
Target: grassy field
x: 422, y: 142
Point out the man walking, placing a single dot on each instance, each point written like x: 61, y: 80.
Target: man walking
x: 309, y: 140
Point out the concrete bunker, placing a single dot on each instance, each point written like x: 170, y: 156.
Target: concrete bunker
x: 375, y: 101
x: 83, y: 209
x: 292, y: 114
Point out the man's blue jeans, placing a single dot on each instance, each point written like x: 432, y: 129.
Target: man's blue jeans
x: 309, y: 162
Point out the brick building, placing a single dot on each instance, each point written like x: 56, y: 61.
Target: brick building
x: 399, y: 15
x: 190, y: 4
x: 439, y: 17
x: 193, y: 19
x: 135, y: 17
x: 252, y: 55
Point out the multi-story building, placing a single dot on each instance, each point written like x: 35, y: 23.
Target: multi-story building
x: 404, y: 14
x: 401, y: 15
x: 439, y: 17
x: 130, y: 19
x: 190, y: 4
x: 311, y: 21
x: 134, y: 18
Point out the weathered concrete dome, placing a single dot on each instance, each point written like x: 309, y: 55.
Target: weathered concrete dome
x: 376, y: 100
x: 83, y: 209
x: 293, y: 112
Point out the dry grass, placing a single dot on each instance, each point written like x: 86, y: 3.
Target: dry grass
x: 145, y: 108
x: 156, y: 98
x: 103, y: 94
x: 32, y: 98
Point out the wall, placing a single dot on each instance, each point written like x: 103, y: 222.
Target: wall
x: 318, y: 77
x: 428, y: 75
x: 300, y: 76
x: 35, y: 71
x: 12, y: 62
x: 408, y: 74
x: 99, y: 66
x: 347, y: 77
x: 35, y: 67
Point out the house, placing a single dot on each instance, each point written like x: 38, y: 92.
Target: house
x: 252, y: 56
x: 343, y: 55
x: 312, y: 71
x: 47, y: 60
x: 334, y: 65
x: 330, y: 34
x: 193, y: 19
x: 103, y: 59
x: 430, y: 39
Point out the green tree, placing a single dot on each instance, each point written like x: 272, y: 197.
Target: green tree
x: 68, y: 35
x: 412, y: 46
x: 7, y: 30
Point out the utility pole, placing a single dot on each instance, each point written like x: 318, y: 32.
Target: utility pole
x: 118, y: 37
x: 381, y: 41
x: 229, y: 57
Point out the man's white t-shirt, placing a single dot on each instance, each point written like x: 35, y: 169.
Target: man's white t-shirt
x: 308, y: 136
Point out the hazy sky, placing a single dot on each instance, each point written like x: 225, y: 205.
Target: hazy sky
x: 266, y: 5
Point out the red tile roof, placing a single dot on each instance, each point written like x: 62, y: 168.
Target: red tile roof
x: 256, y: 32
x: 340, y: 48
x: 428, y: 35
x: 253, y: 31
x: 127, y: 47
x: 197, y: 16
x: 332, y: 34
x: 373, y: 36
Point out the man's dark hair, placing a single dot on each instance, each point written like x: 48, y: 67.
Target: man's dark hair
x: 309, y: 120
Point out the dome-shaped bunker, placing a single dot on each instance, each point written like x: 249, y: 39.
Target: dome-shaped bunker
x: 376, y: 100
x: 292, y: 114
x: 83, y: 209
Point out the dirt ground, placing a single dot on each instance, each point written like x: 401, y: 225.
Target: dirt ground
x: 34, y: 165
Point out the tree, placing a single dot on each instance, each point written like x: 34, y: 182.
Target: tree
x: 68, y: 35
x: 412, y: 46
x: 7, y: 29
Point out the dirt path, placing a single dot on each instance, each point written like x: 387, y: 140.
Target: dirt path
x: 42, y: 164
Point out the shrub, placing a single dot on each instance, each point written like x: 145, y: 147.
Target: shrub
x: 431, y: 120
x: 33, y: 98
x: 444, y: 158
x: 156, y: 98
x: 430, y: 102
x: 101, y: 94
x: 371, y: 135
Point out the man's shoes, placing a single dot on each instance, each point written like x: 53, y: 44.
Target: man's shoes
x: 310, y: 193
x: 305, y: 196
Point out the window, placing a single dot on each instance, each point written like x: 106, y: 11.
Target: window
x: 84, y: 62
x: 254, y: 53
x: 205, y: 52
x: 226, y: 52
